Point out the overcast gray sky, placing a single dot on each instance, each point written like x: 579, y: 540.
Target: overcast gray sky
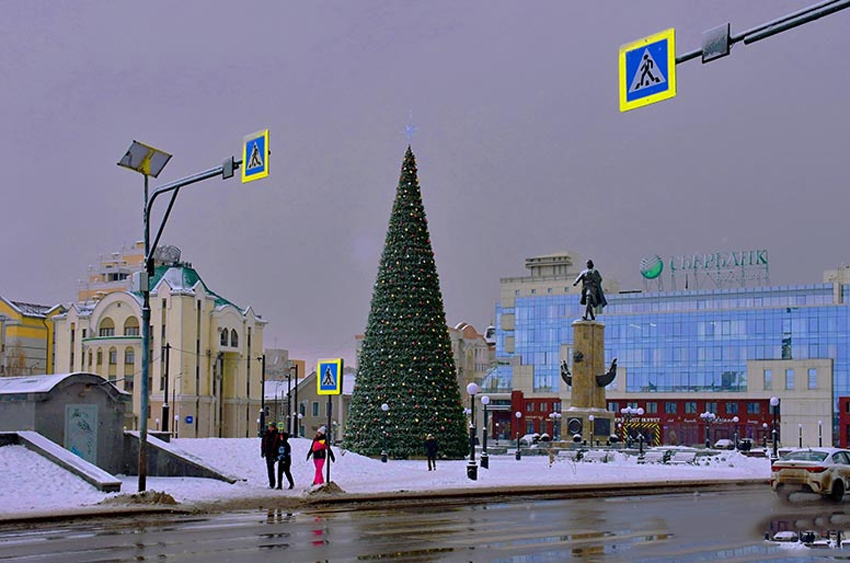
x: 521, y: 146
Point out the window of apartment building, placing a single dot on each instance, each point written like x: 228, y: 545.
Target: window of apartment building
x: 529, y: 407
x: 813, y: 378
x: 690, y: 407
x: 129, y: 356
x: 670, y: 407
x: 789, y: 378
x: 711, y: 407
x: 548, y: 290
x: 731, y: 408
x: 234, y: 338
x: 106, y: 328
x: 652, y: 408
x: 768, y: 379
x: 223, y: 340
x: 131, y: 327
x: 544, y: 407
x: 99, y: 357
x: 556, y: 407
x: 615, y: 407
x: 753, y: 408
x: 84, y: 334
x: 534, y: 292
x: 113, y: 356
x: 315, y: 408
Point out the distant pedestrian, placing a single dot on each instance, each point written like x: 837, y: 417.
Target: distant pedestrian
x: 269, y: 449
x: 284, y: 461
x: 317, y: 452
x: 431, y: 452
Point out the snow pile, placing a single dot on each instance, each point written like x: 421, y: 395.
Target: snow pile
x: 31, y: 483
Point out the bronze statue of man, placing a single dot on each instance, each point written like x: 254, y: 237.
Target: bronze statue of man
x: 591, y: 291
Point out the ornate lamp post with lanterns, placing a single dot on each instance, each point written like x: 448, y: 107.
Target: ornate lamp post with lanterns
x: 518, y: 415
x: 471, y: 468
x: 485, y: 459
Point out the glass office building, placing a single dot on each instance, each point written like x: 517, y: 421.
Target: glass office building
x: 686, y: 340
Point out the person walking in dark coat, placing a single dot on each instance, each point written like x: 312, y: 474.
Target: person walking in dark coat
x: 431, y: 452
x: 284, y: 461
x: 269, y: 450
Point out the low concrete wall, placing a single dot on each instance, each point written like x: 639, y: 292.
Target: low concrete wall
x: 90, y: 473
x: 165, y: 460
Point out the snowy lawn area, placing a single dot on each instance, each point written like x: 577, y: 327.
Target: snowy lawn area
x: 30, y: 483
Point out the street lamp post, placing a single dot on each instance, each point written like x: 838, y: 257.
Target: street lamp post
x: 384, y: 407
x: 708, y: 418
x: 628, y: 413
x: 640, y: 431
x: 764, y: 435
x: 590, y: 419
x: 149, y: 161
x: 485, y: 459
x: 555, y: 417
x: 735, y: 420
x: 262, y: 422
x: 774, y: 407
x: 799, y: 435
x: 296, y: 416
x: 518, y: 415
x: 289, y: 402
x: 471, y: 468
x: 820, y: 433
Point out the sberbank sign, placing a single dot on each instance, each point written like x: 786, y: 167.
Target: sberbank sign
x: 651, y: 266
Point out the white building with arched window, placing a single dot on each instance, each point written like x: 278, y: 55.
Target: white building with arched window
x: 211, y: 378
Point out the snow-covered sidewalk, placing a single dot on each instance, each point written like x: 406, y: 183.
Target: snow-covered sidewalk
x: 31, y: 484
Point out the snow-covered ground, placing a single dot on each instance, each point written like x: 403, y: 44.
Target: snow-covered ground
x: 29, y: 483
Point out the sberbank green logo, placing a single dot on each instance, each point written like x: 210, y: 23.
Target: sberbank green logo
x: 651, y: 266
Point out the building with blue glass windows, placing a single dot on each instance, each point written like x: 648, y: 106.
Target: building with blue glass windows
x: 726, y: 350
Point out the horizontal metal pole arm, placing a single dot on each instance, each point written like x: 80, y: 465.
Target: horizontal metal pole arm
x: 813, y: 15
x: 175, y: 187
x: 784, y: 23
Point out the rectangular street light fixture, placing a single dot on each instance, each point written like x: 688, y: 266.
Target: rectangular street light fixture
x: 144, y: 159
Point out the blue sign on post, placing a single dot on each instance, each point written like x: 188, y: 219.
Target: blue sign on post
x: 648, y: 70
x: 329, y: 377
x: 255, y: 156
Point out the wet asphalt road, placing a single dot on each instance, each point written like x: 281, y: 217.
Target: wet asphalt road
x: 726, y: 526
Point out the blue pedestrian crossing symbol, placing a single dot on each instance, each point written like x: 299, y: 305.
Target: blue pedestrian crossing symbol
x: 329, y: 377
x: 255, y: 156
x: 648, y: 70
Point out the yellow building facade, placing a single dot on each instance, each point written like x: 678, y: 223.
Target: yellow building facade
x: 205, y: 356
x: 26, y: 338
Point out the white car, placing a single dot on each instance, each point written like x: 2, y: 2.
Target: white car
x: 825, y: 471
x: 724, y: 444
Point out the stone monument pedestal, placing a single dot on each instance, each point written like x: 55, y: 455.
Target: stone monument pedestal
x: 588, y: 415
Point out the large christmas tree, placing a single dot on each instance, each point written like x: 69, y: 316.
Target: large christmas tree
x: 406, y: 360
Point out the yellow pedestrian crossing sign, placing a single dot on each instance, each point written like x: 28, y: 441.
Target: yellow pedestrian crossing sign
x: 648, y: 70
x: 329, y: 377
x: 255, y: 156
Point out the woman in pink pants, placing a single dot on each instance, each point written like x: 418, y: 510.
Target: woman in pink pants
x: 317, y: 451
